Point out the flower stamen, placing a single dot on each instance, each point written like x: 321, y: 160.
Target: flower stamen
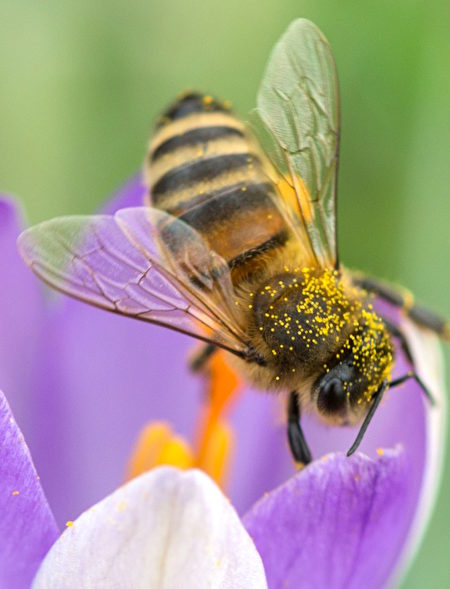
x: 211, y: 451
x: 157, y: 444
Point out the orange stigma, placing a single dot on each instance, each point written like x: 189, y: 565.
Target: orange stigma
x: 212, y: 446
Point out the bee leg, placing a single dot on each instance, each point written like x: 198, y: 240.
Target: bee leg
x: 297, y: 443
x: 201, y: 357
x: 365, y: 424
x: 405, y: 301
x: 398, y: 381
x: 397, y: 333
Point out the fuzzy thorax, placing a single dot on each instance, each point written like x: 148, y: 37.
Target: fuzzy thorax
x: 305, y: 321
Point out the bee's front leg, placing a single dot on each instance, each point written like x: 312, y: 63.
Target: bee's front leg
x: 396, y: 332
x: 297, y: 443
x: 201, y: 356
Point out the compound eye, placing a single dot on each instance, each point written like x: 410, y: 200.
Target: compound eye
x: 332, y: 397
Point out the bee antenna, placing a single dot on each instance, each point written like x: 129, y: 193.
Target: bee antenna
x: 365, y: 424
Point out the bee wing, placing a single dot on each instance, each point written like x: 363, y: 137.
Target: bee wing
x: 297, y: 123
x: 142, y: 263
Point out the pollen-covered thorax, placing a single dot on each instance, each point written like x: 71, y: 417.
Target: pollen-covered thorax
x: 311, y: 320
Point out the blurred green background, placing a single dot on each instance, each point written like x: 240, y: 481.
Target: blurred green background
x: 81, y: 83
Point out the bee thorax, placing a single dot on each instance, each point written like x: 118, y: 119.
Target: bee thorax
x: 303, y: 316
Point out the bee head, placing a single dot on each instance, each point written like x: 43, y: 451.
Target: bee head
x: 355, y: 373
x: 335, y: 393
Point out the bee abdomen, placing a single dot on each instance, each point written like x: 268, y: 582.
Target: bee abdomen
x: 196, y: 174
x: 204, y: 169
x: 190, y: 103
x: 192, y: 138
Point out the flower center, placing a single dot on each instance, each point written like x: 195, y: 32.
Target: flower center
x: 211, y: 449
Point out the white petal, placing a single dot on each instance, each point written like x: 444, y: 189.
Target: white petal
x: 428, y: 360
x: 167, y: 529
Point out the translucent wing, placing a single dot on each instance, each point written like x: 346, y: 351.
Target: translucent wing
x: 297, y: 123
x: 143, y: 263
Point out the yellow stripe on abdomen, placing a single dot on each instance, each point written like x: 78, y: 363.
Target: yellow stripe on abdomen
x: 204, y: 169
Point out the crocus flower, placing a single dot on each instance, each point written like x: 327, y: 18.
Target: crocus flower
x: 94, y: 380
x: 164, y: 529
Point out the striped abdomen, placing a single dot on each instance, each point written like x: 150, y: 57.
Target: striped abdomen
x: 203, y: 169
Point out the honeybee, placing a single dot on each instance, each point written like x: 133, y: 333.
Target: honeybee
x: 236, y: 245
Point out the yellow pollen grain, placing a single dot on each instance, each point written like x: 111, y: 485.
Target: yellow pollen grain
x: 69, y: 524
x: 15, y: 492
x: 380, y: 451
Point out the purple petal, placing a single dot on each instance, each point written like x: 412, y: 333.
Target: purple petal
x: 104, y: 378
x: 21, y: 320
x: 27, y: 526
x: 131, y: 194
x: 259, y: 424
x: 339, y: 523
x: 109, y: 376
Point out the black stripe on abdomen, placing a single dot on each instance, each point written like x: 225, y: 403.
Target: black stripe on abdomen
x: 239, y: 225
x: 188, y: 104
x: 249, y: 255
x: 202, y: 135
x: 198, y: 171
x: 232, y: 190
x: 226, y: 203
